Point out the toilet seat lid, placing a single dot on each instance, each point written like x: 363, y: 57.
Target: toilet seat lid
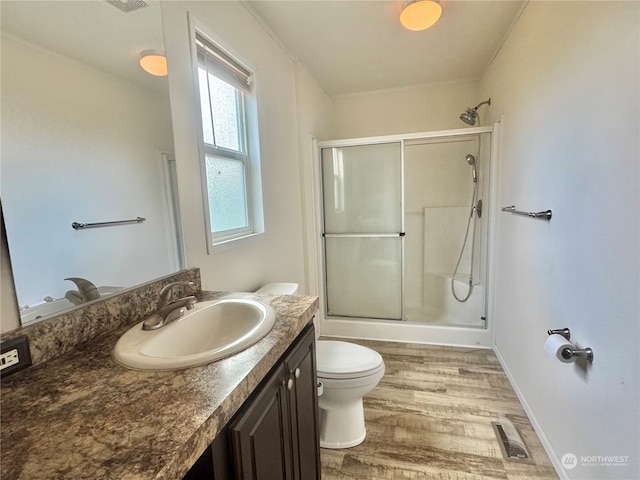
x: 346, y: 360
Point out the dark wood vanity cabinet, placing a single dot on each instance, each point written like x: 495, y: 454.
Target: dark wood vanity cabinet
x: 301, y: 363
x: 261, y: 437
x: 274, y: 435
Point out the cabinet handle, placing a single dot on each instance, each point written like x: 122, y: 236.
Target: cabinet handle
x: 290, y: 384
x: 297, y: 373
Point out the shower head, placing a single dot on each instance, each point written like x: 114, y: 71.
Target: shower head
x: 471, y: 160
x: 470, y: 115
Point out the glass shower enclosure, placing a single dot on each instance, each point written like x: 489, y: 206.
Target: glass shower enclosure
x: 363, y: 230
x: 404, y: 234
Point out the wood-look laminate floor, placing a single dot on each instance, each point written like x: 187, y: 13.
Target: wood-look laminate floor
x: 430, y: 418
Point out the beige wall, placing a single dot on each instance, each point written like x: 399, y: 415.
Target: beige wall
x: 422, y: 108
x: 567, y: 82
x: 277, y: 255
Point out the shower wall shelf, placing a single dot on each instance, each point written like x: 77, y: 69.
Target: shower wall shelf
x: 79, y: 226
x: 546, y: 215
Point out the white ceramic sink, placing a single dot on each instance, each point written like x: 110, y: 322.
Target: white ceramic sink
x: 210, y: 331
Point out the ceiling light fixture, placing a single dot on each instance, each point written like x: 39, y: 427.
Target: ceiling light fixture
x: 154, y: 62
x: 420, y: 14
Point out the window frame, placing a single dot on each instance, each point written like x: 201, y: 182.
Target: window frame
x: 249, y: 152
x: 229, y: 234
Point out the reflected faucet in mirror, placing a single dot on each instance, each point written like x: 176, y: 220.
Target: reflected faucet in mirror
x: 169, y: 308
x: 86, y: 292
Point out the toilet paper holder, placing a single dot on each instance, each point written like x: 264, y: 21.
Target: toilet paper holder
x: 570, y: 352
x: 578, y: 352
x: 565, y: 332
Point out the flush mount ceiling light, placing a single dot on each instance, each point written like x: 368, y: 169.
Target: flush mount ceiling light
x: 420, y: 14
x: 154, y: 62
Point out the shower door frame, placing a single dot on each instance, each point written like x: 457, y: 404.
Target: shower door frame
x: 399, y: 330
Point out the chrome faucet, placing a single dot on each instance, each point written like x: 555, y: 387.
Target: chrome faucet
x: 169, y: 309
x: 86, y: 292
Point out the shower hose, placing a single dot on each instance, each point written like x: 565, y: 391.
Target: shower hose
x: 473, y: 248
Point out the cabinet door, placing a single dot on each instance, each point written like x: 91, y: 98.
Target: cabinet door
x: 261, y: 435
x: 301, y: 368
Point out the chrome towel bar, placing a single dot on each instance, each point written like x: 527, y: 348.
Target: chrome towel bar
x: 78, y: 226
x: 512, y: 209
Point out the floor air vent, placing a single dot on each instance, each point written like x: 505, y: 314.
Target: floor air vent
x: 511, y: 444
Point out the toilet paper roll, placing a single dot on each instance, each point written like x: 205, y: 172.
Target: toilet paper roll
x: 555, y: 344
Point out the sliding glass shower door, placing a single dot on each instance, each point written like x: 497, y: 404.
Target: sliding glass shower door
x: 363, y: 230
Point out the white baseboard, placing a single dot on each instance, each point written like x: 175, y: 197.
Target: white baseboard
x: 555, y: 461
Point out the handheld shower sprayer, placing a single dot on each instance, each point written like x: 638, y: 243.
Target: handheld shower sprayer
x: 471, y: 160
x: 470, y: 115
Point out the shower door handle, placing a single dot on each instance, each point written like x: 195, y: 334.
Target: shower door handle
x: 364, y: 235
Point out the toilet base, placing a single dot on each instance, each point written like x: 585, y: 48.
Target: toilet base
x: 341, y: 424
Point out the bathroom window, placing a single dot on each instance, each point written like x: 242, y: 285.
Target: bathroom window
x: 230, y: 160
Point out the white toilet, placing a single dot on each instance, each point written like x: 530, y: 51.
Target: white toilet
x: 347, y: 373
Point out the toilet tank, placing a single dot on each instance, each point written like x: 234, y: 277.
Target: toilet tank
x: 279, y: 288
x: 287, y: 289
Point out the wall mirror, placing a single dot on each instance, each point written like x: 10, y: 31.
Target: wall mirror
x: 86, y: 137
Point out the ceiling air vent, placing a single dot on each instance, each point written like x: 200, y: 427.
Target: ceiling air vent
x: 128, y: 5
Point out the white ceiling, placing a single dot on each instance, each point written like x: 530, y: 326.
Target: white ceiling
x: 349, y: 46
x: 352, y: 46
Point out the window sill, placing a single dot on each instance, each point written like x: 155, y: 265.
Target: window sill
x: 222, y: 245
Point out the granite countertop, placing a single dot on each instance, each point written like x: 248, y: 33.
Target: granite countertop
x: 84, y: 416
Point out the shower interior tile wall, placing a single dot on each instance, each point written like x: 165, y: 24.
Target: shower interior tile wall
x: 438, y: 191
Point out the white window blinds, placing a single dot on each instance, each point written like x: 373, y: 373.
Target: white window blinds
x: 217, y: 62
